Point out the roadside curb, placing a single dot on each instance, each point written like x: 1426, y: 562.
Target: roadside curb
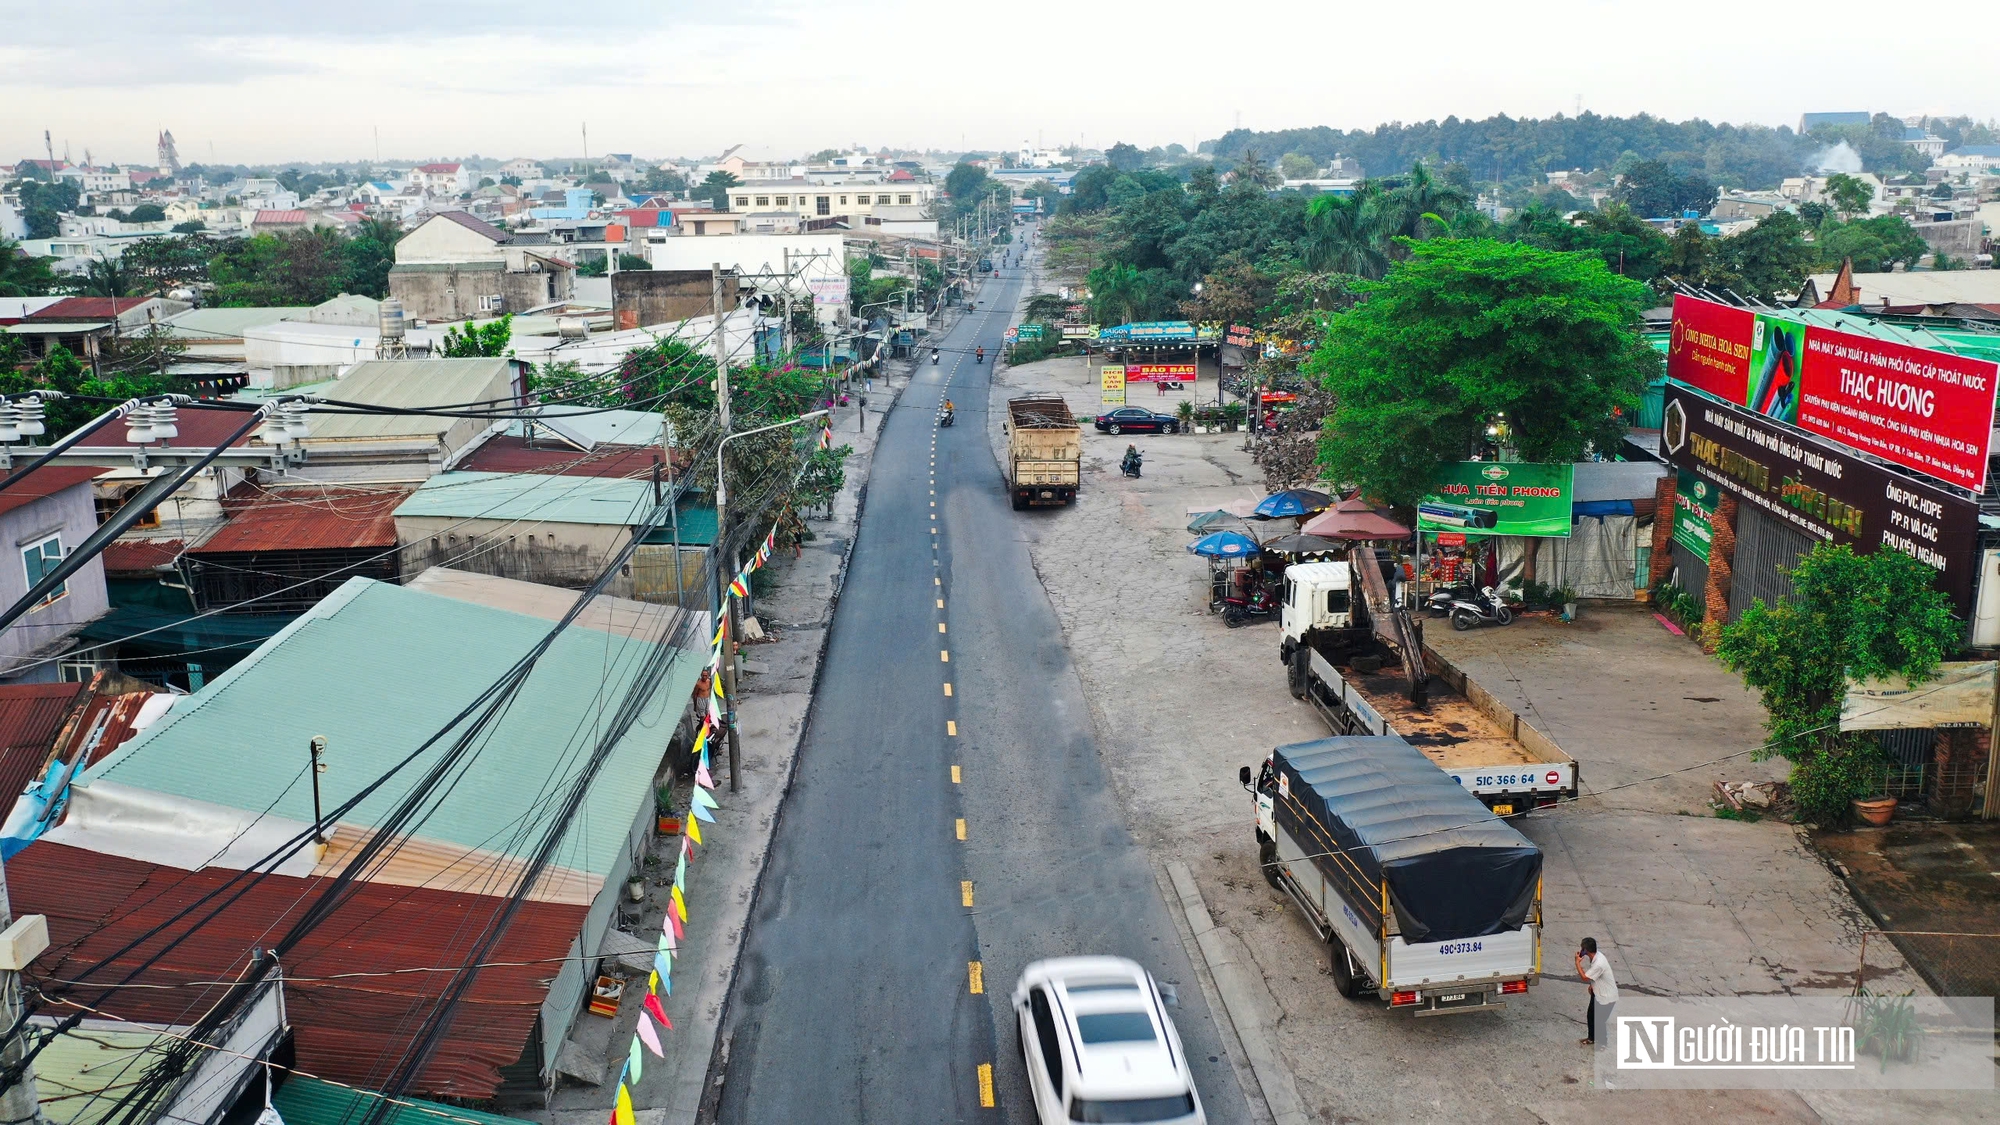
x: 1245, y: 999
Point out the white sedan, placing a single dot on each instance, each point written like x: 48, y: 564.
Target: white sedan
x: 1099, y: 1046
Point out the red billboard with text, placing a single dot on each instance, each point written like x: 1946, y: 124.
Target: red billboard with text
x: 1926, y: 410
x: 1159, y: 372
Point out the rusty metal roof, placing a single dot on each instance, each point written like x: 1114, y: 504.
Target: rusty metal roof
x: 306, y: 518
x: 505, y: 453
x: 31, y: 716
x: 352, y: 1030
x: 46, y: 481
x: 129, y: 556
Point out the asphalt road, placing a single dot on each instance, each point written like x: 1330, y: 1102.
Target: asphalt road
x: 949, y: 814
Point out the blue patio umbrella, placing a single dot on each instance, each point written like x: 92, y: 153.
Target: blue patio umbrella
x: 1293, y: 503
x: 1224, y: 545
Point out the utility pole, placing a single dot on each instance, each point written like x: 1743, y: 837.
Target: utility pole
x: 725, y: 557
x: 19, y: 1103
x: 786, y: 336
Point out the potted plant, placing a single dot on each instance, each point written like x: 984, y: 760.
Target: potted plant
x: 1186, y: 413
x: 1233, y: 415
x: 1874, y: 811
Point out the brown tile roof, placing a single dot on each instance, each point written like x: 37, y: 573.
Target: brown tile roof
x: 508, y: 454
x: 306, y: 518
x: 200, y: 428
x: 477, y: 226
x: 268, y: 218
x: 86, y: 308
x: 131, y: 556
x: 46, y: 481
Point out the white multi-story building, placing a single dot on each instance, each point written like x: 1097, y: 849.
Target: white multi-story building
x: 450, y: 180
x: 850, y: 200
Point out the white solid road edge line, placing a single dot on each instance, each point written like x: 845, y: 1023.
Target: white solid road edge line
x: 1245, y: 999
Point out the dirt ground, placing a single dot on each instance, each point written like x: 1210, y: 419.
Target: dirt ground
x: 1682, y: 902
x: 1936, y: 889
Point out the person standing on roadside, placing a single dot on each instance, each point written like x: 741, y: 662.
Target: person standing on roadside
x: 1596, y: 973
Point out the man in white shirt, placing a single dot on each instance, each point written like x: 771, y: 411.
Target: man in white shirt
x: 1596, y: 972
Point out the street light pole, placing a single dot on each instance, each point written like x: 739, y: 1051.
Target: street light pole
x: 722, y: 586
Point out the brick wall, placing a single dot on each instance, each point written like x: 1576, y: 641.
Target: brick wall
x: 1661, y: 562
x: 1721, y: 557
x: 1959, y: 770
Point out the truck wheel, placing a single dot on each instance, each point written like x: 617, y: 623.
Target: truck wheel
x: 1463, y: 620
x: 1019, y: 503
x: 1300, y: 671
x: 1350, y: 983
x: 1267, y: 858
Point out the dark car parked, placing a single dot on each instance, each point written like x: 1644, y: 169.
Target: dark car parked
x: 1137, y: 420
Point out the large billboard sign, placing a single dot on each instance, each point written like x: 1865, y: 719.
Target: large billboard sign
x: 1926, y: 410
x: 1500, y: 498
x: 1822, y: 489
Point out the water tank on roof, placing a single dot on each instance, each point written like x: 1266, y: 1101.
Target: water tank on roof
x: 571, y: 327
x: 392, y: 319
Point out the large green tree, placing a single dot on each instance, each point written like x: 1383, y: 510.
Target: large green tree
x: 1879, y: 614
x: 22, y: 275
x: 715, y: 188
x: 1877, y: 245
x: 1466, y: 331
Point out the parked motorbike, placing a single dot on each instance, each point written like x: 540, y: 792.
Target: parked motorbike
x: 1238, y: 608
x: 1486, y: 609
x: 1440, y: 602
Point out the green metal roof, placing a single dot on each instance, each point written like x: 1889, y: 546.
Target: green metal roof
x: 697, y: 528
x: 80, y: 1076
x: 205, y: 324
x: 308, y: 1101
x: 531, y: 497
x: 410, y: 383
x: 377, y: 669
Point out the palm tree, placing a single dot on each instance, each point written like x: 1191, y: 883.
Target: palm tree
x: 386, y: 232
x: 1253, y: 169
x: 1344, y: 234
x: 104, y: 277
x: 21, y: 275
x: 1116, y: 293
x: 1418, y: 195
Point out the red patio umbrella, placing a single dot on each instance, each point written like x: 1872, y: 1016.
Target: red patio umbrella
x: 1344, y: 522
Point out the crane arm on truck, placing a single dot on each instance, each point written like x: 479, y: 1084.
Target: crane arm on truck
x: 1393, y: 624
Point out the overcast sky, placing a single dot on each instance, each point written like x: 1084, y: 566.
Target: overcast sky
x: 263, y: 82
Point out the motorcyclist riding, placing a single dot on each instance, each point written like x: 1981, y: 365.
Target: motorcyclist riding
x: 934, y: 355
x: 1133, y: 461
x: 979, y: 355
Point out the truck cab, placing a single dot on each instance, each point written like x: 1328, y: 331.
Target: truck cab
x: 1321, y: 609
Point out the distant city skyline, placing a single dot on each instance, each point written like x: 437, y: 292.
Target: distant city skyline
x: 261, y: 84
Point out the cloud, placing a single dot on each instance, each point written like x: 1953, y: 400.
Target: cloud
x: 130, y: 66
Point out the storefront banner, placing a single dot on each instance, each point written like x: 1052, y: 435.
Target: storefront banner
x: 1710, y: 347
x: 1112, y: 379
x: 1159, y: 372
x: 1821, y: 488
x: 1926, y: 410
x: 1500, y: 498
x: 1694, y: 514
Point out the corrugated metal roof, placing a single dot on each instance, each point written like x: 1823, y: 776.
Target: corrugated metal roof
x: 532, y: 498
x: 305, y: 1101
x: 306, y: 518
x: 1615, y: 480
x: 349, y: 1030
x: 622, y: 616
x: 377, y: 669
x: 87, y: 308
x: 475, y: 225
x: 128, y: 556
x: 693, y: 527
x: 207, y: 324
x: 267, y: 218
x: 74, y: 1069
x: 201, y: 427
x: 31, y: 716
x: 611, y: 427
x: 409, y: 383
x: 507, y: 454
x: 46, y: 481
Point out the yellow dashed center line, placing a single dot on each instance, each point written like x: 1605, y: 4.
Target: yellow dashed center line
x: 965, y: 892
x: 940, y: 626
x: 947, y: 689
x: 940, y: 602
x: 951, y: 728
x: 961, y: 828
x: 986, y: 1085
x: 954, y: 775
x: 936, y: 581
x: 944, y: 654
x: 975, y: 977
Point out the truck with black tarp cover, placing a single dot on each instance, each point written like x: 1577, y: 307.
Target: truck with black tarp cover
x: 1425, y: 898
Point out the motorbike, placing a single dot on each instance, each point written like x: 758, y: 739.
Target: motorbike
x: 1132, y: 463
x: 944, y: 416
x: 1485, y: 609
x: 979, y: 356
x: 1239, y: 608
x: 934, y: 356
x: 1439, y: 603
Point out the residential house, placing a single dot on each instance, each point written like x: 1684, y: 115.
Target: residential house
x: 557, y: 531
x: 282, y: 222
x: 1924, y: 141
x: 645, y: 297
x: 522, y: 168
x: 376, y: 670
x: 286, y: 547
x: 454, y: 266
x: 1748, y: 205
x: 702, y: 223
x: 45, y: 515
x: 378, y: 448
x: 1911, y: 289
x: 448, y: 180
x: 86, y: 326
x: 96, y: 181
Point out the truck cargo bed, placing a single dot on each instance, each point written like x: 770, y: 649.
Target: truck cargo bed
x: 1449, y: 730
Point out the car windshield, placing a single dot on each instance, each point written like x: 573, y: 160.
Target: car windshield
x: 1132, y: 1109
x: 1115, y: 1027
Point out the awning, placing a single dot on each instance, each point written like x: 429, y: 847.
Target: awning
x: 58, y: 327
